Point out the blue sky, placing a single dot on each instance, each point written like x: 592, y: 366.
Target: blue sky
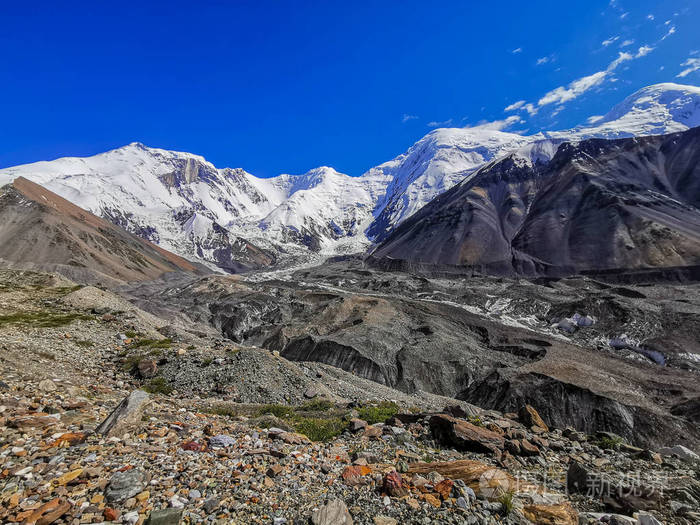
x: 277, y: 87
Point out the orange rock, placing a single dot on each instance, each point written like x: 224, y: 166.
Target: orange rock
x: 110, y: 514
x: 444, y: 488
x: 435, y: 502
x: 70, y: 438
x: 561, y: 514
x: 353, y: 475
x: 48, y: 512
x: 531, y: 418
x: 68, y: 477
x: 14, y: 500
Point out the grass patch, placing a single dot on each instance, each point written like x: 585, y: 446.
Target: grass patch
x: 131, y: 334
x: 130, y: 362
x: 158, y: 385
x: 378, y: 413
x: 476, y: 421
x: 506, y: 501
x: 319, y: 429
x: 319, y: 420
x: 610, y: 443
x: 152, y: 343
x: 280, y: 411
x: 41, y: 319
x: 65, y: 290
x: 83, y: 344
x: 222, y: 409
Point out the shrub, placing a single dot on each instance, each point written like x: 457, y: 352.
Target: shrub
x: 610, y: 443
x: 158, y: 385
x: 280, y: 411
x: 320, y: 429
x: 378, y: 413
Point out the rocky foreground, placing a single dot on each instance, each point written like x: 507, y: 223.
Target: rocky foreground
x: 93, y: 432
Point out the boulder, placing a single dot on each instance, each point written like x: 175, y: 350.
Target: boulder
x: 147, y: 368
x: 465, y: 436
x: 393, y: 485
x: 680, y: 451
x: 531, y: 418
x: 127, y: 413
x: 561, y: 514
x: 125, y: 485
x: 47, y: 386
x: 332, y: 513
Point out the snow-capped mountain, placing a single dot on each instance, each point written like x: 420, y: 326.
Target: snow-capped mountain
x: 447, y: 156
x: 226, y: 217
x: 233, y: 220
x: 433, y: 165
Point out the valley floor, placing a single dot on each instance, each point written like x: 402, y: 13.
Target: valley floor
x: 236, y: 433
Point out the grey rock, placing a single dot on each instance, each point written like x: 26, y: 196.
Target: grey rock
x: 680, y: 451
x: 128, y: 412
x: 210, y: 505
x: 310, y: 393
x: 47, y: 386
x: 332, y: 513
x: 647, y: 519
x: 124, y: 485
x: 169, y: 516
x: 221, y: 441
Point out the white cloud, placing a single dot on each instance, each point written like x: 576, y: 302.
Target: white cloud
x: 670, y: 32
x: 610, y: 40
x: 440, y: 124
x: 542, y: 60
x: 624, y: 15
x: 515, y: 105
x: 574, y: 89
x: 498, y: 125
x: 691, y: 66
x: 650, y: 17
x: 580, y: 86
x: 644, y: 51
x: 531, y: 109
x: 627, y: 43
x: 517, y: 50
x: 594, y: 119
x: 406, y: 117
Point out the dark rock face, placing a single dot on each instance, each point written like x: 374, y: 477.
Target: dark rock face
x: 596, y: 206
x: 566, y: 404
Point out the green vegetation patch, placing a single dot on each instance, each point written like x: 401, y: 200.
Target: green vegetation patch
x: 319, y: 420
x: 42, y: 319
x: 158, y: 385
x: 610, y: 443
x: 378, y: 413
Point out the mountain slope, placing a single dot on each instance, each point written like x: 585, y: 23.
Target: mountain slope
x: 41, y: 230
x: 597, y: 205
x: 445, y: 157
